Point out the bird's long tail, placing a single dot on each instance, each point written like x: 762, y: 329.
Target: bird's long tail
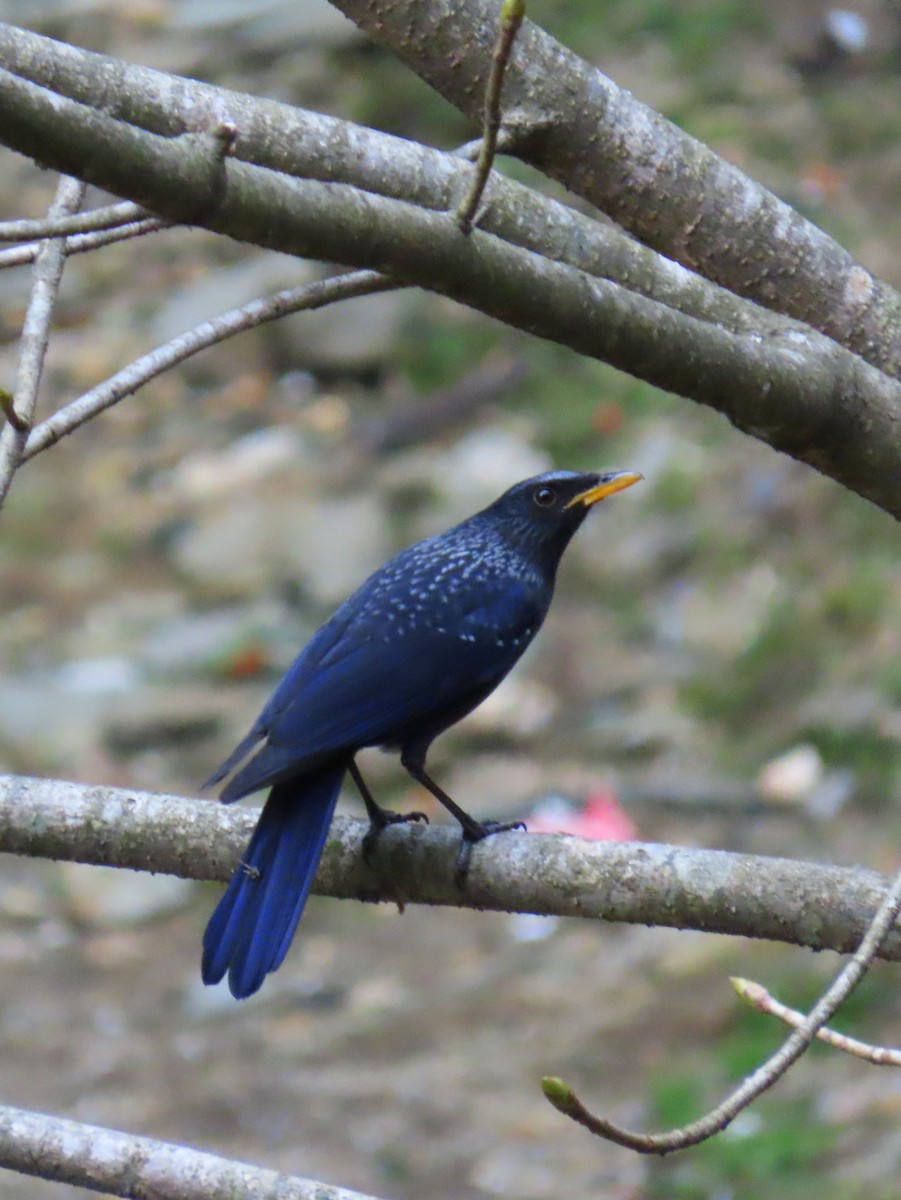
x: 250, y: 930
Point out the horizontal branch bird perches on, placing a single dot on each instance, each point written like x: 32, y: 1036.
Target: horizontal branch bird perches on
x: 809, y: 904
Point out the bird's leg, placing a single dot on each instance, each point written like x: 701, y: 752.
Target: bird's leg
x: 473, y: 830
x: 379, y: 817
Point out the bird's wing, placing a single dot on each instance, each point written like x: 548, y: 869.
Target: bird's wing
x: 361, y: 693
x: 289, y: 686
x: 364, y: 689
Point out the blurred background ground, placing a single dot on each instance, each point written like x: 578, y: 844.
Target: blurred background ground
x: 161, y: 567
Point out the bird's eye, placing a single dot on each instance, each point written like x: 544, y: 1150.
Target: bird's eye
x: 544, y: 497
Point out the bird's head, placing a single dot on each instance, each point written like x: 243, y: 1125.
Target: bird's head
x: 541, y: 514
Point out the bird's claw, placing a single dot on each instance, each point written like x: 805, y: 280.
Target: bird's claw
x: 501, y: 827
x: 378, y: 823
x: 474, y: 834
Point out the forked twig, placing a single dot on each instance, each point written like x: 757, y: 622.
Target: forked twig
x: 48, y: 269
x: 563, y: 1098
x: 758, y: 997
x: 512, y: 15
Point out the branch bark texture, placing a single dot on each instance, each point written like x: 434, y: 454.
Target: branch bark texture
x: 787, y: 385
x: 311, y: 145
x: 664, y: 186
x: 823, y: 907
x: 140, y: 1168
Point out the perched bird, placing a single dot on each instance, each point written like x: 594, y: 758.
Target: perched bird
x: 421, y: 643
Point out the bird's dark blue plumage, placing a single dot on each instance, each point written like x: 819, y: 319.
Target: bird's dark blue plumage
x: 422, y: 642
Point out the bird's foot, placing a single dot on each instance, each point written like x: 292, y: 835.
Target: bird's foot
x: 473, y: 834
x: 379, y: 820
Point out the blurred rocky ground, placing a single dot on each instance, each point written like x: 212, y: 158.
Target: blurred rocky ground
x: 721, y: 666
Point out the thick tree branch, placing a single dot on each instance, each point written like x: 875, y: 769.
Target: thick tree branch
x: 140, y: 1168
x: 656, y: 181
x: 800, y: 392
x: 313, y: 146
x: 808, y: 904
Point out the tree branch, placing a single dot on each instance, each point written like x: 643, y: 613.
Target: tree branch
x: 81, y: 243
x: 668, y: 189
x: 111, y: 216
x: 763, y: 1077
x: 799, y: 391
x: 823, y: 907
x: 140, y: 1168
x: 511, y: 17
x: 248, y: 316
x: 48, y: 269
x: 763, y: 1001
x: 313, y: 146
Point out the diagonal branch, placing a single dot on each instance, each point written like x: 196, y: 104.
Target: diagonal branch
x: 140, y: 1168
x: 248, y: 316
x: 807, y: 904
x: 766, y: 1075
x: 798, y: 391
x: 311, y: 145
x: 664, y: 186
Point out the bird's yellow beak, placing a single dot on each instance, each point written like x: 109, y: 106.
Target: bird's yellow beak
x: 617, y: 482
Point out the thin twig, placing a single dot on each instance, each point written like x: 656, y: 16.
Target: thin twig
x: 109, y: 217
x: 561, y: 1095
x: 758, y: 997
x: 48, y: 269
x: 81, y: 243
x: 141, y: 1168
x: 236, y: 320
x: 512, y: 14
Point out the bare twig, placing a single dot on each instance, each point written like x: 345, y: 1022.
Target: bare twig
x: 512, y: 14
x: 109, y: 217
x: 638, y: 883
x: 48, y: 269
x: 758, y: 997
x: 561, y: 1095
x: 236, y: 320
x: 120, y: 1164
x: 80, y: 243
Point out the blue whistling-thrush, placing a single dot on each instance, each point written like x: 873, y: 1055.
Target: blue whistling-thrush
x: 417, y: 647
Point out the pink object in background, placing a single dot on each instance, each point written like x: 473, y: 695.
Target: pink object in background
x: 602, y: 817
